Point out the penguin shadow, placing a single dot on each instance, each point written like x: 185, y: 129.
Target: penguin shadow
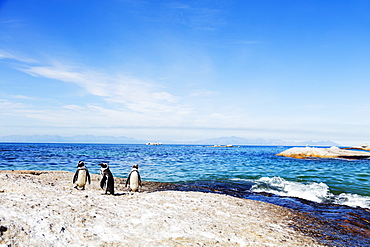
x: 119, y: 188
x: 125, y: 193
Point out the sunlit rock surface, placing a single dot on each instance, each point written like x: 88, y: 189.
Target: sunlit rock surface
x: 43, y: 209
x: 361, y: 147
x: 332, y: 152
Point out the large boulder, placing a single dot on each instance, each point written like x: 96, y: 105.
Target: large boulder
x: 332, y: 152
x: 361, y: 147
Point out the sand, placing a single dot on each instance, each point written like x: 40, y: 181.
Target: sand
x: 43, y: 209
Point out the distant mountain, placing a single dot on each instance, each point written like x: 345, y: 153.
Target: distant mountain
x: 233, y: 140
x: 72, y: 139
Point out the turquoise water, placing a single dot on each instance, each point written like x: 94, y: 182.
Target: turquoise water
x: 252, y: 168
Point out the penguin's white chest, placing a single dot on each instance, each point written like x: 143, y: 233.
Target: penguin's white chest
x: 134, y: 181
x: 81, y: 179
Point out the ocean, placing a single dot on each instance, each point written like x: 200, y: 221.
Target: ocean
x: 332, y: 188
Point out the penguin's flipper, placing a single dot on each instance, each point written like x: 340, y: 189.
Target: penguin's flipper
x: 103, y: 182
x: 75, y: 177
x: 88, y: 176
x: 139, y: 178
x: 110, y: 185
x: 128, y: 179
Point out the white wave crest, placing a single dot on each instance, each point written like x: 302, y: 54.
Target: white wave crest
x: 317, y: 192
x: 353, y: 200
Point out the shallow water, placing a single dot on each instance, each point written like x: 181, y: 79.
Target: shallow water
x: 336, y: 190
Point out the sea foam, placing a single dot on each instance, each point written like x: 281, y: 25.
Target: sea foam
x: 312, y: 191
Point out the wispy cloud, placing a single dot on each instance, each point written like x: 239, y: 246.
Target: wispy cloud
x: 17, y: 96
x: 203, y: 93
x: 11, y: 23
x: 118, y: 101
x: 129, y: 101
x: 206, y: 16
x: 8, y: 106
x: 17, y: 58
x: 134, y: 94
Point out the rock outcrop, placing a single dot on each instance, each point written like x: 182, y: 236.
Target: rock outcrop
x: 332, y: 152
x: 43, y: 209
x: 361, y: 147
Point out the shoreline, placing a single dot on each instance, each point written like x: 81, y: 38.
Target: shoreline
x: 41, y: 208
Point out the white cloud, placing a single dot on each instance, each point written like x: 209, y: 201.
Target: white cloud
x: 128, y: 101
x: 7, y: 106
x: 203, y: 93
x: 17, y: 58
x: 165, y: 96
x: 75, y: 108
x: 18, y: 96
x: 132, y: 93
x: 133, y: 103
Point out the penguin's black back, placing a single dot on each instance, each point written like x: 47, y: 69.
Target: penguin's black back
x: 107, y: 180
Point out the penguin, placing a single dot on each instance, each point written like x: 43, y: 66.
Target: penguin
x: 107, y: 179
x: 81, y: 176
x: 134, y: 179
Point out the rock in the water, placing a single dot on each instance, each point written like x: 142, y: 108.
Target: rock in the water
x: 332, y: 152
x: 361, y: 147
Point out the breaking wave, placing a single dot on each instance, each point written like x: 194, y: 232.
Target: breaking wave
x: 317, y: 192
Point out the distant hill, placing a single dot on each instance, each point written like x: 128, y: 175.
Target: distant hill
x: 72, y: 139
x: 233, y: 140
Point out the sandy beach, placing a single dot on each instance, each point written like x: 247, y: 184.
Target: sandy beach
x: 41, y: 208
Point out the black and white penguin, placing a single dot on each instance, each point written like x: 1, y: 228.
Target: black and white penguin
x: 81, y: 176
x: 134, y: 180
x: 107, y: 180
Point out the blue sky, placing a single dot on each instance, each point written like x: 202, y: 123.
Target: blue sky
x: 186, y: 70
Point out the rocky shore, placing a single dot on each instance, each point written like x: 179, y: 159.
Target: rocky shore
x: 41, y: 208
